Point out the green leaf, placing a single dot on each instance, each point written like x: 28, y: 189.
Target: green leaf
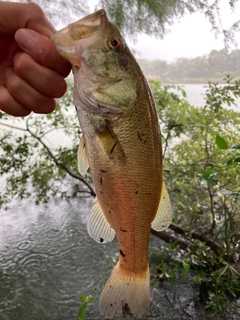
x: 235, y: 147
x: 86, y: 300
x: 209, y: 174
x: 82, y: 310
x: 221, y: 143
x: 186, y: 268
x: 233, y: 160
x: 198, y: 279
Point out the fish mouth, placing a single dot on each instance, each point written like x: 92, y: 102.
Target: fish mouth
x: 78, y: 36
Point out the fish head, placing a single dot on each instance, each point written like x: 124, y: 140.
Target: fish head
x: 102, y: 63
x: 72, y: 40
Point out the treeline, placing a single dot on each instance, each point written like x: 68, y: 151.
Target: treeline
x: 212, y: 67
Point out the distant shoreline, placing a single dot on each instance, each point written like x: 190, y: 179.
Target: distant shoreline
x: 213, y: 68
x: 186, y: 81
x: 193, y: 81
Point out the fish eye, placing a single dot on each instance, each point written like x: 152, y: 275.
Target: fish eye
x: 115, y: 43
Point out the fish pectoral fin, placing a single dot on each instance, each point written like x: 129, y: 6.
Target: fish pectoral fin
x: 82, y: 157
x: 163, y: 217
x: 110, y: 142
x: 98, y: 226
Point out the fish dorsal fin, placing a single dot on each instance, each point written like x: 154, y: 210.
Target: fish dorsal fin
x: 164, y: 213
x: 82, y: 157
x: 98, y: 226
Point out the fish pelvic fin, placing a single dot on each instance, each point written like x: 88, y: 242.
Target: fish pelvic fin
x: 163, y: 217
x: 98, y: 226
x: 125, y: 293
x: 82, y: 157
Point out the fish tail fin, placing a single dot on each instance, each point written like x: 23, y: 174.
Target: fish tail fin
x: 125, y: 293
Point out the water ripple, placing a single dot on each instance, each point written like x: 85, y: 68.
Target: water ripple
x: 32, y: 260
x: 47, y: 260
x: 25, y: 245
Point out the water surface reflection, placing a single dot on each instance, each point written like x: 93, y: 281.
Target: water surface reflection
x: 47, y: 260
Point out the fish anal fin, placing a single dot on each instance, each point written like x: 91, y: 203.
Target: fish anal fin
x: 98, y: 226
x: 163, y: 217
x: 82, y: 157
x: 125, y: 293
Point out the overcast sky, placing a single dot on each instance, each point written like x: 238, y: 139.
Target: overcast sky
x: 190, y: 37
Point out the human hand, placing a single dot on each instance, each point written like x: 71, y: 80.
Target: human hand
x: 31, y: 70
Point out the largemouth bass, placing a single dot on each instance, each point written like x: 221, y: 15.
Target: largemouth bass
x: 121, y: 143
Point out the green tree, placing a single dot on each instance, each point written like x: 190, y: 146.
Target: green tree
x: 201, y: 168
x: 148, y: 16
x: 155, y: 17
x: 218, y: 62
x: 234, y: 63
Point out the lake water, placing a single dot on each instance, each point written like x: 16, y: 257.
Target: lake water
x: 47, y: 260
x: 196, y: 94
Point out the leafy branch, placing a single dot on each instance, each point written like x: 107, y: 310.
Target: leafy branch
x: 188, y: 243
x: 59, y: 164
x: 30, y: 167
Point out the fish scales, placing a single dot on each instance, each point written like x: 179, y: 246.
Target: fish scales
x: 128, y: 183
x: 122, y: 145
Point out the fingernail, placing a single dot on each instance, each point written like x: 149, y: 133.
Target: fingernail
x: 24, y: 38
x: 6, y: 73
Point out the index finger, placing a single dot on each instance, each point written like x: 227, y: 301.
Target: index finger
x: 42, y: 50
